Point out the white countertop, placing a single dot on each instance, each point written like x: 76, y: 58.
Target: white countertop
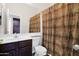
x: 8, y: 38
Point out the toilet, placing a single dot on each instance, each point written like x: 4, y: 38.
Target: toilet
x: 37, y: 48
x: 40, y: 51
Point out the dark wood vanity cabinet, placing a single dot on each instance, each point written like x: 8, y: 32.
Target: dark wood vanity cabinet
x: 25, y: 51
x: 21, y: 48
x: 25, y: 48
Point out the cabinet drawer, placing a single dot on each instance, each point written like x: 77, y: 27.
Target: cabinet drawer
x: 25, y: 43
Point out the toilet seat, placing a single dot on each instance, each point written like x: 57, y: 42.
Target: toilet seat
x: 40, y: 51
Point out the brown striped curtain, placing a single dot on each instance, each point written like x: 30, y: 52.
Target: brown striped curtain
x: 45, y: 28
x: 61, y: 28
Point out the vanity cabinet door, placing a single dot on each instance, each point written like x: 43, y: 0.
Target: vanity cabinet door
x: 9, y: 49
x: 26, y: 51
x: 25, y: 48
x: 12, y: 53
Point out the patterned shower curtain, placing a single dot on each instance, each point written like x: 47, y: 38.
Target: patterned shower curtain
x: 61, y: 28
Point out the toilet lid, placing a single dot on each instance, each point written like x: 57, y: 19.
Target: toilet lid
x: 40, y: 49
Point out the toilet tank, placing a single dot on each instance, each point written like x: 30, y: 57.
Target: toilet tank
x: 36, y: 41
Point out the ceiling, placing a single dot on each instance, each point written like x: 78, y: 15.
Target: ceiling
x: 40, y: 5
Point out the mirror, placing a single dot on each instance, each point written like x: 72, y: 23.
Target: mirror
x: 16, y: 25
x: 15, y: 18
x: 9, y: 23
x: 13, y: 25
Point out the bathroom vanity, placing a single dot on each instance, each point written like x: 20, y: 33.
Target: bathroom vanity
x: 18, y: 44
x: 20, y: 48
x: 15, y: 45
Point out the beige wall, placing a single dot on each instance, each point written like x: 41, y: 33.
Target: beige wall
x: 25, y: 12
